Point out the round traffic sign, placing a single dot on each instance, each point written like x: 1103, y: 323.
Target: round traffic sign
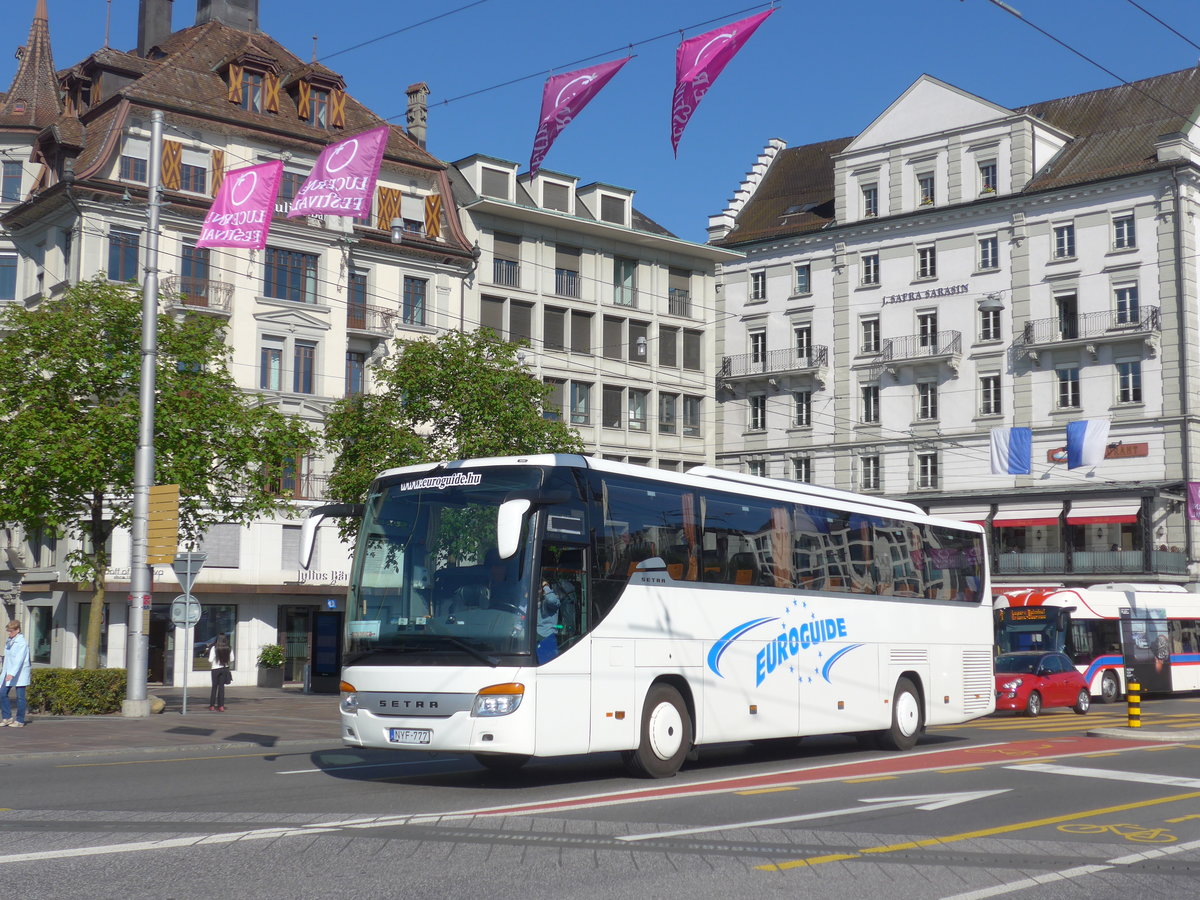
x: 185, y: 611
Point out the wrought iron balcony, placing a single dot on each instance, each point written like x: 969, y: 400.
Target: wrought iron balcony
x: 679, y: 302
x: 506, y: 272
x: 199, y: 293
x: 1090, y: 329
x: 774, y: 362
x: 370, y: 319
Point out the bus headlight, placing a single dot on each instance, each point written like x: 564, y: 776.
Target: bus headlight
x: 349, y: 702
x: 498, y: 700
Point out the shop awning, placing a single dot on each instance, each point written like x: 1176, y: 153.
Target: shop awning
x: 969, y: 512
x: 1091, y: 512
x: 1029, y: 514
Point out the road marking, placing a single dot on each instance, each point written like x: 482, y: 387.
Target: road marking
x: 872, y: 778
x: 773, y: 790
x: 924, y: 801
x: 1110, y: 775
x: 986, y: 832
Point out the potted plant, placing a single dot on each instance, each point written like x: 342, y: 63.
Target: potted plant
x: 271, y: 658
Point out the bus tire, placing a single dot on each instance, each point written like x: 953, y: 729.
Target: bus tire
x: 501, y: 762
x: 1110, y: 688
x: 666, y: 735
x: 908, y: 718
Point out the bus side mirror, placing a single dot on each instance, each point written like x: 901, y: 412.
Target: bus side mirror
x: 509, y: 519
x: 308, y: 529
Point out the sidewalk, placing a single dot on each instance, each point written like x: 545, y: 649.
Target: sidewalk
x: 255, y: 718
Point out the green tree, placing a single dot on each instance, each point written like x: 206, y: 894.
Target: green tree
x: 69, y: 376
x: 463, y: 395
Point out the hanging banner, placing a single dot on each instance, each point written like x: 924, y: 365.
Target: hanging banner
x: 241, y: 213
x: 1193, y: 501
x: 343, y: 180
x: 698, y: 62
x: 563, y: 98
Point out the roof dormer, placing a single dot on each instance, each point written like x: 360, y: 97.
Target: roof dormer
x: 608, y: 203
x: 320, y: 96
x: 490, y: 177
x: 552, y: 190
x: 252, y: 79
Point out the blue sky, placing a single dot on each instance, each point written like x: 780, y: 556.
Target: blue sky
x: 814, y: 71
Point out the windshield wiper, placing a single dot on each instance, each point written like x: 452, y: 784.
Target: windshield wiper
x: 463, y: 645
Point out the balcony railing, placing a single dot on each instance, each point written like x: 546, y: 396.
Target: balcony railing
x: 506, y: 272
x: 1091, y: 562
x: 199, y: 293
x: 566, y: 283
x: 303, y: 487
x: 1089, y: 326
x: 679, y: 302
x: 371, y: 319
x: 624, y: 296
x: 773, y: 362
x: 922, y: 346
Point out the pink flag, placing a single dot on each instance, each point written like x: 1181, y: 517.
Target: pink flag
x: 343, y: 180
x: 698, y: 62
x: 241, y: 213
x: 563, y: 98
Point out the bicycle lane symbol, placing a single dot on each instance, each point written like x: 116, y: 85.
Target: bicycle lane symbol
x: 1135, y: 833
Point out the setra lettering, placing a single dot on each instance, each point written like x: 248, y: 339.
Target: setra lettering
x: 408, y: 704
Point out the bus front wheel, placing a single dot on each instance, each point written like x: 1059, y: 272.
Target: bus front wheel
x: 907, y: 718
x: 1110, y: 688
x: 666, y: 735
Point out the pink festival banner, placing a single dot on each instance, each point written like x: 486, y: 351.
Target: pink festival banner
x: 698, y: 62
x: 241, y: 213
x: 343, y: 180
x: 1193, y: 501
x: 563, y: 98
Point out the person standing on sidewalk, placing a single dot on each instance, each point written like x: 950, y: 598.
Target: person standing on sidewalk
x: 15, y: 674
x: 220, y: 658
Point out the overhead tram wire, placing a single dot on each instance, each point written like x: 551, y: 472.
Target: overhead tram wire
x: 1165, y: 25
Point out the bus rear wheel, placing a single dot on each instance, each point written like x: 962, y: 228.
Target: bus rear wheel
x: 1110, y: 688
x: 907, y: 718
x: 501, y: 762
x: 666, y: 735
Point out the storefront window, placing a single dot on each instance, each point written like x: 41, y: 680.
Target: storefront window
x: 214, y: 619
x: 38, y: 633
x: 85, y: 612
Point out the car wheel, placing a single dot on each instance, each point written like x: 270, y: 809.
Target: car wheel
x: 1033, y: 706
x: 1083, y: 702
x: 666, y: 735
x: 1110, y: 689
x: 907, y: 718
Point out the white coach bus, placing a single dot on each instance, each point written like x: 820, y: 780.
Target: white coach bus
x: 553, y: 605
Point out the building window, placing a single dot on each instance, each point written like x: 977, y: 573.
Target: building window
x: 356, y: 301
x: 1064, y: 241
x: 304, y: 364
x: 1068, y: 387
x: 1129, y: 382
x: 927, y: 471
x: 413, y: 312
x: 927, y: 400
x: 10, y: 187
x: 122, y: 255
x: 758, y: 347
x: 506, y: 256
x: 554, y: 328
x: 252, y: 91
x: 987, y: 177
x: 318, y: 108
x: 668, y: 405
x: 1124, y: 236
x: 1126, y: 297
x: 679, y: 292
x: 989, y: 395
x: 566, y: 271
x: 356, y: 372
x: 804, y: 279
x: 870, y: 200
x: 270, y: 368
x: 581, y: 399
x: 552, y: 408
x: 1067, y: 306
x: 758, y: 412
x: 870, y: 404
x: 802, y: 406
x: 193, y: 179
x: 927, y: 262
x: 802, y: 469
x: 756, y: 467
x: 691, y: 415
x: 925, y: 189
x: 989, y: 324
x: 639, y: 342
x: 556, y: 196
x: 692, y: 341
x: 193, y: 274
x: 612, y: 209
x: 612, y: 399
x: 624, y: 281
x: 870, y: 269
x: 495, y: 183
x: 133, y: 169
x: 290, y: 275
x: 758, y: 285
x: 581, y: 332
x: 8, y: 276
x: 868, y: 472
x: 870, y: 335
x: 989, y: 253
x: 803, y: 343
x: 289, y: 186
x: 668, y: 347
x: 638, y: 401
x: 614, y: 337
x: 927, y: 330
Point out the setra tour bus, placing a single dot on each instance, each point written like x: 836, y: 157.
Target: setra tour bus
x: 551, y: 605
x: 1149, y: 633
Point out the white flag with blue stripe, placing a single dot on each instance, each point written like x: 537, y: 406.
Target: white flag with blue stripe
x: 1087, y: 439
x: 1012, y: 451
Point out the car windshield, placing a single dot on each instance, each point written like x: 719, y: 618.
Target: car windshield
x: 1017, y: 664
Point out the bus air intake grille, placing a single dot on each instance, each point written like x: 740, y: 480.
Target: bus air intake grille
x: 978, y: 683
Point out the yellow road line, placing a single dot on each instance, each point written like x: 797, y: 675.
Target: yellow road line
x: 871, y: 778
x: 971, y: 835
x: 955, y: 771
x: 770, y: 790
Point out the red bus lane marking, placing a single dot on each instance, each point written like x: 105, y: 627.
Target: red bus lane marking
x: 929, y: 761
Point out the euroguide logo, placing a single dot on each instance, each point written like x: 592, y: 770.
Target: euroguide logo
x: 805, y: 649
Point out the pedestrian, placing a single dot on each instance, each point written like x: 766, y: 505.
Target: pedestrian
x: 15, y: 674
x: 220, y: 658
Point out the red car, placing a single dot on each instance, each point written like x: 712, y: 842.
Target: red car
x: 1033, y: 680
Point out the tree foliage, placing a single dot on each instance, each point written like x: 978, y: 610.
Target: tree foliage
x: 463, y: 395
x: 69, y: 376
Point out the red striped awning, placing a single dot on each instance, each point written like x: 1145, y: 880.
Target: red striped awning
x: 1094, y: 512
x: 1029, y: 514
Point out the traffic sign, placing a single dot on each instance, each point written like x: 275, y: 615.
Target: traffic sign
x: 187, y: 566
x: 185, y: 611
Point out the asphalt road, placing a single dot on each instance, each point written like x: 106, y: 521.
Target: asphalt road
x: 1004, y: 806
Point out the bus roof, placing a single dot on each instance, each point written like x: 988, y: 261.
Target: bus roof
x: 1106, y: 601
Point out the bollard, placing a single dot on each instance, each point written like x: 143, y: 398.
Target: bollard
x: 1133, y: 694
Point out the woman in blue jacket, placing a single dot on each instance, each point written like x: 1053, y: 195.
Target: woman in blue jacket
x: 16, y: 674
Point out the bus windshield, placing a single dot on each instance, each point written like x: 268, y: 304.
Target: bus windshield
x: 429, y: 584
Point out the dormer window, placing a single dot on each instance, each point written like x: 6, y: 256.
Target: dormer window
x: 253, y: 80
x: 252, y: 91
x: 925, y: 189
x: 987, y: 177
x: 870, y: 200
x: 495, y: 183
x: 318, y: 108
x: 321, y: 103
x: 556, y: 196
x: 612, y: 209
